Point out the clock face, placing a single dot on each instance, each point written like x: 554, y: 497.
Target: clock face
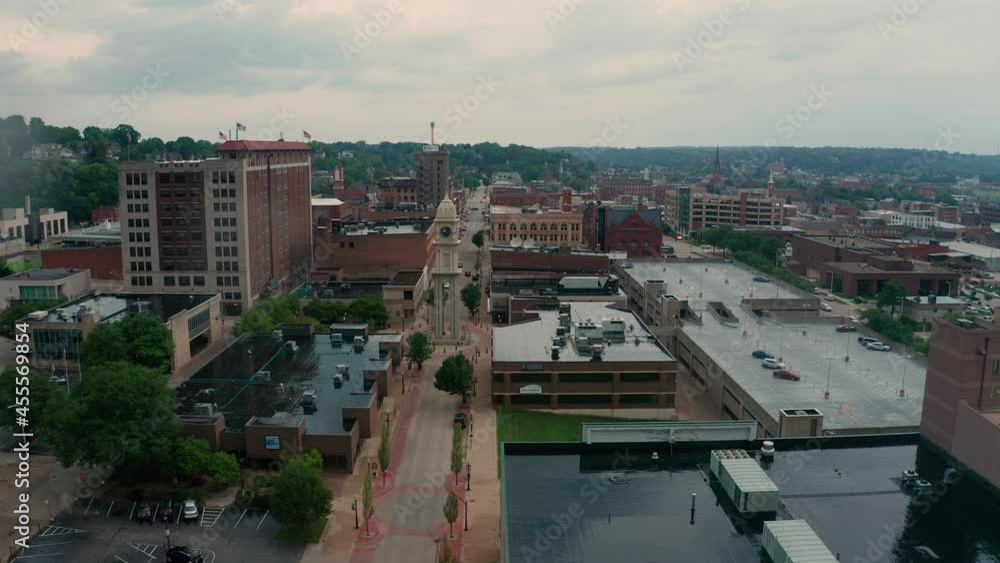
x: 445, y: 231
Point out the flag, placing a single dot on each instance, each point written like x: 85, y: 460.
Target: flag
x: 240, y: 127
x: 307, y: 135
x: 129, y: 135
x: 222, y: 136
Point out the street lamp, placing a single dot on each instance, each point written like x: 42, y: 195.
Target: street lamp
x: 167, y: 530
x: 902, y: 384
x: 355, y: 507
x: 466, y: 515
x: 468, y: 476
x: 829, y: 368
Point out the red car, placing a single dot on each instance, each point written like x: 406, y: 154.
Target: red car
x: 846, y: 328
x: 785, y: 374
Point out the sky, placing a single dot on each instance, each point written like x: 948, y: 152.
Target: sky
x: 626, y: 73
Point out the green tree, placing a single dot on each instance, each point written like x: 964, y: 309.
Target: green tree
x: 889, y: 295
x: 385, y: 451
x: 141, y: 339
x: 300, y: 497
x: 454, y: 376
x: 5, y: 271
x: 225, y: 469
x: 478, y: 239
x: 44, y: 402
x: 191, y: 457
x: 370, y: 310
x: 419, y: 349
x: 368, y: 500
x: 326, y: 311
x: 457, y: 451
x: 446, y: 555
x: 268, y: 314
x: 471, y: 297
x: 120, y: 415
x: 451, y: 512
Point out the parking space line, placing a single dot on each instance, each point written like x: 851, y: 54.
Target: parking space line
x: 88, y: 506
x: 145, y: 549
x: 210, y: 515
x: 131, y: 512
x: 212, y: 560
x: 120, y: 559
x: 59, y: 531
x: 262, y: 518
x: 241, y: 517
x: 156, y: 512
x: 19, y: 557
x: 178, y: 521
x: 108, y: 515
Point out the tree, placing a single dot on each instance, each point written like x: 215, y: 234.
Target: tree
x: 5, y: 271
x: 478, y: 239
x: 45, y: 401
x: 889, y: 295
x: 268, y: 314
x: 141, y: 339
x: 370, y: 310
x: 326, y: 311
x: 300, y: 497
x: 14, y: 313
x: 454, y: 376
x: 225, y: 470
x: 451, y: 512
x: 368, y: 500
x: 457, y: 451
x: 419, y: 349
x: 191, y: 457
x: 120, y: 415
x: 385, y: 451
x: 471, y: 297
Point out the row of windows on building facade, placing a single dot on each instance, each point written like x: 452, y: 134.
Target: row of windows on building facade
x: 538, y: 227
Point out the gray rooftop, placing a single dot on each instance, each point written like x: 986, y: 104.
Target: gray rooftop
x: 111, y: 307
x: 715, y: 281
x: 44, y: 275
x: 532, y: 341
x: 864, y: 392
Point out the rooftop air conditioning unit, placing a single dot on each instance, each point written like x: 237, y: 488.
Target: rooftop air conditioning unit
x: 277, y: 334
x: 292, y: 346
x: 596, y: 351
x: 264, y: 375
x: 359, y: 344
x: 336, y: 339
x: 338, y: 381
x: 344, y: 370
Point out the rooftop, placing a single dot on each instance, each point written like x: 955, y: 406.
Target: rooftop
x: 727, y: 282
x: 358, y: 229
x: 326, y: 201
x: 975, y: 249
x: 406, y: 278
x: 864, y: 392
x: 852, y: 242
x: 262, y: 146
x: 621, y: 506
x: 112, y: 307
x: 44, y: 275
x: 532, y: 341
x: 258, y: 377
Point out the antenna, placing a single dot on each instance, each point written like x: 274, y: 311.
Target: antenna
x: 432, y: 132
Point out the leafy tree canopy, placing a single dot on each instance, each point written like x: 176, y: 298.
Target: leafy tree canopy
x: 419, y: 348
x: 300, y: 497
x: 454, y: 376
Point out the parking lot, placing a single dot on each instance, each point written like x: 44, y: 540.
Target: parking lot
x: 106, y: 530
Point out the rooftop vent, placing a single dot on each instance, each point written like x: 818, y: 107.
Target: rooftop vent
x: 582, y: 344
x: 359, y: 344
x: 344, y: 370
x: 555, y: 353
x: 336, y: 339
x: 338, y: 381
x: 596, y: 352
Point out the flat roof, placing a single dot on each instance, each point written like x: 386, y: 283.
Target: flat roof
x: 850, y: 241
x: 864, y: 392
x: 326, y: 201
x: 406, y: 277
x: 391, y: 229
x: 112, y: 306
x: 531, y: 341
x: 615, y: 503
x: 727, y: 282
x: 975, y: 249
x: 44, y: 275
x: 242, y: 394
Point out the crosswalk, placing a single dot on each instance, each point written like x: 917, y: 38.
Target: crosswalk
x: 59, y: 531
x: 210, y: 515
x: 144, y: 548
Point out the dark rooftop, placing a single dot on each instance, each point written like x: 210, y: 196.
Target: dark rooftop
x: 407, y: 277
x: 259, y: 378
x: 625, y: 507
x: 51, y: 274
x: 110, y: 307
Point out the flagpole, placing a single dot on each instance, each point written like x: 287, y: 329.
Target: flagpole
x: 237, y: 131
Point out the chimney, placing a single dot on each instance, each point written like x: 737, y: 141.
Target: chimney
x: 27, y: 205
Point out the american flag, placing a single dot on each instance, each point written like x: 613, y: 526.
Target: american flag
x: 307, y: 135
x: 241, y: 127
x: 129, y: 135
x: 222, y: 136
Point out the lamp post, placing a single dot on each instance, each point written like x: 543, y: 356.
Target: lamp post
x: 902, y: 384
x: 167, y: 530
x: 468, y: 476
x: 355, y: 507
x: 829, y: 368
x: 49, y: 509
x: 466, y: 515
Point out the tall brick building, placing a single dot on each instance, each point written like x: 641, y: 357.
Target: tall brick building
x: 635, y: 230
x: 432, y: 175
x: 238, y: 225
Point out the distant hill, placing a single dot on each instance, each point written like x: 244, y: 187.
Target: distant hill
x: 923, y: 165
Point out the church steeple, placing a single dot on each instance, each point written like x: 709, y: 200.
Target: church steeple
x: 716, y: 182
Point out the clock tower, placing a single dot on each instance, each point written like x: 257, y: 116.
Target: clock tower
x: 445, y: 274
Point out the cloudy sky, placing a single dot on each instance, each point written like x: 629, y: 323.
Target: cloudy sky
x: 893, y: 73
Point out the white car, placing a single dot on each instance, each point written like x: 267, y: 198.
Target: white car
x: 853, y: 319
x: 190, y: 510
x: 826, y: 307
x: 771, y: 363
x: 878, y: 347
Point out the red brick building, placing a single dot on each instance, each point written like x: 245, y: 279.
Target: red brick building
x: 359, y: 251
x: 104, y: 215
x: 635, y: 230
x: 104, y: 262
x: 565, y: 261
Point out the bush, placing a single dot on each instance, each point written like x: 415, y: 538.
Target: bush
x: 244, y: 499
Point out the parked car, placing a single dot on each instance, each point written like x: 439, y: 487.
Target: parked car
x: 826, y: 307
x: 460, y: 264
x: 771, y: 363
x: 475, y: 277
x: 468, y: 274
x: 461, y: 418
x: 846, y: 328
x: 190, y: 510
x: 878, y: 346
x: 166, y: 510
x: 987, y: 318
x: 184, y: 554
x: 864, y: 340
x: 828, y: 297
x: 761, y: 279
x: 785, y: 374
x: 761, y: 355
x: 59, y: 379
x: 144, y: 512
x: 853, y: 319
